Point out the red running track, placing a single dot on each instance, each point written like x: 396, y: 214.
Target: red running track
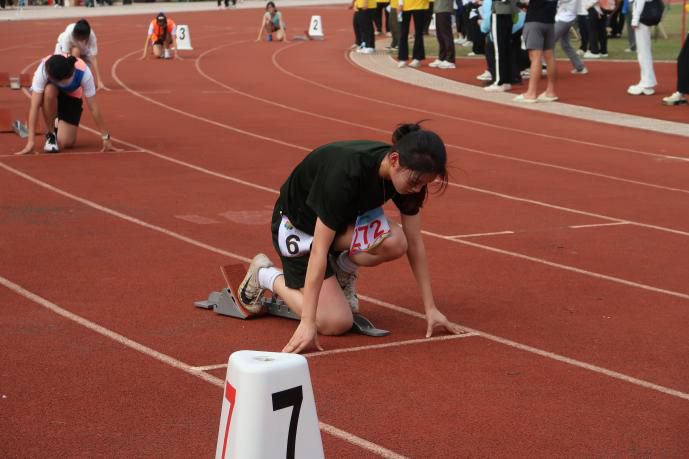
x: 579, y: 303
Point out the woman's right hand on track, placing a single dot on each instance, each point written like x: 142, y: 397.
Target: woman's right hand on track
x: 28, y: 149
x: 142, y: 57
x: 305, y: 335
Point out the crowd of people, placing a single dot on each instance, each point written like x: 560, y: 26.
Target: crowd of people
x: 518, y: 38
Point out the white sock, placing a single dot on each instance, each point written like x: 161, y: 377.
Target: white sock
x: 346, y: 264
x: 267, y: 276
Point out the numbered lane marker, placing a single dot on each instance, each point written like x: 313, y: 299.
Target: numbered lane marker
x: 316, y: 27
x: 183, y: 38
x: 256, y: 420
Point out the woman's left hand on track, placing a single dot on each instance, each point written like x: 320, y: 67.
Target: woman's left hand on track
x: 435, y: 318
x: 305, y: 334
x: 27, y: 150
x: 102, y: 87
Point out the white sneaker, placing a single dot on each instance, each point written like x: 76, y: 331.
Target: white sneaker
x: 460, y: 41
x: 485, y: 76
x: 415, y: 63
x: 51, y: 143
x: 435, y: 63
x: 677, y: 98
x: 525, y: 74
x: 471, y: 54
x: 402, y: 64
x: 604, y: 55
x: 580, y: 52
x: 629, y: 50
x: 250, y: 290
x: 498, y: 88
x: 447, y: 65
x: 347, y: 282
x: 583, y: 71
x: 468, y: 44
x: 590, y: 55
x: 367, y: 51
x: 637, y: 90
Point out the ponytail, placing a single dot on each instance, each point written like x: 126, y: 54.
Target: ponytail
x: 59, y: 67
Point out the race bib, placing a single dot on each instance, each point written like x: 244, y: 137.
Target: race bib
x: 293, y: 242
x: 370, y: 229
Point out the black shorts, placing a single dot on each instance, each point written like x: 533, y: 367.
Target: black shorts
x: 69, y: 108
x: 294, y: 268
x: 162, y: 43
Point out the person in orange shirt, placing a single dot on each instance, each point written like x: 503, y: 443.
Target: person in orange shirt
x: 162, y: 33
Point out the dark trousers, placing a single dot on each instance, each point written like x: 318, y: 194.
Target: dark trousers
x: 380, y: 14
x: 598, y: 37
x: 461, y: 18
x: 419, y: 52
x: 477, y: 38
x: 443, y: 31
x: 583, y: 23
x: 429, y: 18
x: 683, y: 68
x: 357, y: 29
x: 617, y: 22
x: 502, y: 35
x: 519, y: 58
x: 364, y: 19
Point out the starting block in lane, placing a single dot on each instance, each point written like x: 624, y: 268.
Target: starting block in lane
x: 225, y: 303
x: 15, y: 83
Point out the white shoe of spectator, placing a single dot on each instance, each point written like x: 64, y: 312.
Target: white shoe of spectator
x: 415, y: 63
x: 446, y: 65
x: 629, y: 50
x: 604, y: 55
x: 471, y: 54
x: 677, y: 98
x: 583, y: 71
x: 580, y: 52
x: 402, y: 64
x: 485, y: 76
x: 525, y: 74
x: 460, y: 41
x: 367, y: 51
x: 498, y: 88
x: 467, y: 43
x: 590, y: 55
x: 637, y: 90
x: 435, y: 63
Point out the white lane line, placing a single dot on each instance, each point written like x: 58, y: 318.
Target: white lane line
x: 385, y: 131
x: 596, y: 225
x: 496, y: 233
x: 543, y: 353
x: 363, y: 348
x: 305, y: 149
x: 618, y: 280
x: 178, y: 364
x: 395, y: 307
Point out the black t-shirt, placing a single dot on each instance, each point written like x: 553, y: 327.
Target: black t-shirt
x: 338, y: 182
x: 541, y: 11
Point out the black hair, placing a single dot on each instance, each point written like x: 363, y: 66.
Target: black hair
x: 82, y: 30
x: 161, y: 17
x: 421, y: 151
x: 269, y: 4
x: 59, y: 67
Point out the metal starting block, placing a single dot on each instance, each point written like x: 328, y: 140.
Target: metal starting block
x: 20, y: 129
x: 225, y: 303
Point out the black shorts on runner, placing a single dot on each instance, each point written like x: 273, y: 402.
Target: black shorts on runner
x: 69, y: 108
x: 294, y: 268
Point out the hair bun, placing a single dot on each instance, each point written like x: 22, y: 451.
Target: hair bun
x: 404, y: 129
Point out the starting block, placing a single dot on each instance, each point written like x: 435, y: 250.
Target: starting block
x: 225, y: 303
x: 20, y: 129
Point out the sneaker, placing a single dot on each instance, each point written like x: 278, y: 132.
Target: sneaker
x: 629, y: 50
x: 460, y: 41
x: 583, y: 71
x: 485, y: 76
x: 676, y: 98
x: 590, y: 55
x: 249, y: 290
x: 525, y: 74
x: 347, y: 282
x: 468, y: 44
x: 471, y: 54
x: 604, y: 55
x: 402, y: 64
x: 447, y: 65
x: 436, y: 63
x: 498, y: 88
x: 580, y: 52
x: 51, y: 143
x: 367, y: 51
x: 637, y: 90
x: 415, y: 64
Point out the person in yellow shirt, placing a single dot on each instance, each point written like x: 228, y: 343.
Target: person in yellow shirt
x: 364, y: 12
x: 394, y: 25
x: 412, y: 9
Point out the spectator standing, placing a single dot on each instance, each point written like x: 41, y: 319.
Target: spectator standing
x: 564, y: 20
x: 415, y: 9
x: 642, y: 33
x: 443, y: 30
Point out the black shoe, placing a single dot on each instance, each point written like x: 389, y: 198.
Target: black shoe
x: 51, y: 143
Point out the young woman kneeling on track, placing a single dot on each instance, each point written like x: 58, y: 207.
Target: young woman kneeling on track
x: 273, y: 24
x: 329, y: 220
x: 58, y: 86
x: 162, y: 33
